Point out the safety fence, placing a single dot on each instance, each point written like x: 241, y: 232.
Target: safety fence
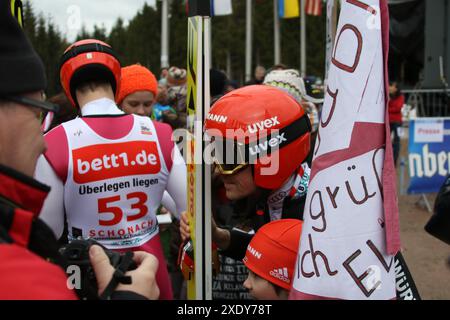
x: 428, y: 102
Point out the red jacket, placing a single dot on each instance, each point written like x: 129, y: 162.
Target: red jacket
x: 395, y: 109
x: 24, y: 274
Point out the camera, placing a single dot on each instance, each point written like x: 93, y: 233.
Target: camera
x: 76, y: 253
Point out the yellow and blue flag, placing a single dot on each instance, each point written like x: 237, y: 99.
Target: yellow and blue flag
x: 288, y: 9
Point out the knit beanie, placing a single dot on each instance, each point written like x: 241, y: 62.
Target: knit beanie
x: 136, y: 78
x: 272, y: 252
x: 290, y: 81
x: 176, y: 76
x: 21, y: 68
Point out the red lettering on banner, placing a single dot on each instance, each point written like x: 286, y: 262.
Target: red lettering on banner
x: 314, y: 253
x: 108, y: 161
x: 320, y: 214
x: 333, y: 196
x: 367, y: 196
x: 363, y: 5
x: 380, y: 256
x: 333, y: 105
x: 317, y: 143
x: 358, y: 35
x: 358, y: 279
x: 377, y: 175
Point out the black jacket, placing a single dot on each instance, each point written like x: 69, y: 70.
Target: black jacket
x: 292, y: 209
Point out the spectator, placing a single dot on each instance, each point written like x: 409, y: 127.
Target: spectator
x: 278, y: 66
x: 30, y: 264
x: 289, y: 80
x: 230, y: 86
x: 217, y: 80
x: 138, y: 90
x: 270, y: 257
x: 163, y: 76
x: 396, y: 102
x: 258, y: 76
x: 176, y: 94
x: 162, y: 107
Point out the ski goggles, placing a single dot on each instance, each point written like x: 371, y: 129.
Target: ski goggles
x: 231, y: 156
x: 229, y: 169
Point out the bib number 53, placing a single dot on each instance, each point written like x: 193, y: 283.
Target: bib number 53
x: 106, y: 206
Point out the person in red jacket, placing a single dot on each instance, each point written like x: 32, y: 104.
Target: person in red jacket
x: 396, y: 101
x: 30, y: 264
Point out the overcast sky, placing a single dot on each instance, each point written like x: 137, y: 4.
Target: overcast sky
x: 70, y: 15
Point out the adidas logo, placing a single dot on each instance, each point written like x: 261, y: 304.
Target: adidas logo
x: 281, y: 273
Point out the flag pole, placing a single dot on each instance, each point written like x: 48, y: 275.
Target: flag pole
x: 248, y: 41
x: 165, y: 34
x: 276, y: 29
x: 302, y: 39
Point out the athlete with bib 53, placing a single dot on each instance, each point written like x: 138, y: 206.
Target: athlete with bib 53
x: 108, y: 170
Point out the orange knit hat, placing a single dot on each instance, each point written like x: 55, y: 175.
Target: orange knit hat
x: 136, y: 78
x: 272, y: 252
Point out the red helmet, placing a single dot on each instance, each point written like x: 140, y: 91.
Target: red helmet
x: 263, y: 126
x: 88, y: 60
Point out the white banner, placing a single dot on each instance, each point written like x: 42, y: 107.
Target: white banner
x: 343, y: 244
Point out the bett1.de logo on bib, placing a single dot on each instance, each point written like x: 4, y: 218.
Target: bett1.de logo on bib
x: 108, y: 161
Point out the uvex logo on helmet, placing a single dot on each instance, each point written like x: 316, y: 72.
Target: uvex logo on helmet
x: 263, y: 146
x: 265, y: 124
